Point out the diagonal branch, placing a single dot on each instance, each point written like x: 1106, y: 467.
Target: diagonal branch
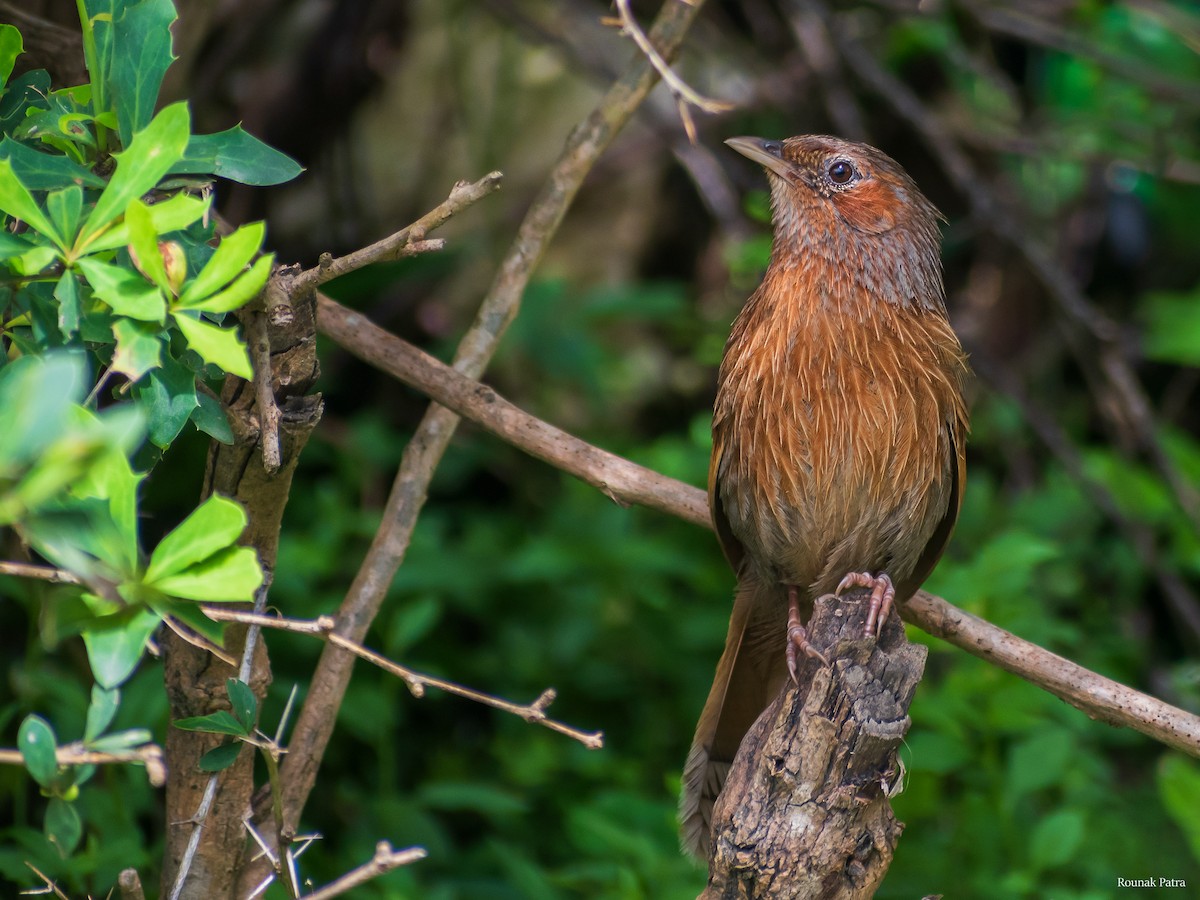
x: 625, y: 482
x: 365, y: 596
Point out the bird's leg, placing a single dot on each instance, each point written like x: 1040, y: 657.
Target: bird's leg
x: 797, y: 637
x: 883, y: 596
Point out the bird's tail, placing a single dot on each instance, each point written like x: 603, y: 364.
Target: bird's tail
x: 750, y: 672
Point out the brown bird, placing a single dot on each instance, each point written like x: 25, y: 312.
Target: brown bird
x: 838, y: 429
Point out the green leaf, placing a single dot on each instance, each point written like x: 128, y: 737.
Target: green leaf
x: 65, y: 206
x: 35, y: 394
x: 220, y: 346
x: 221, y: 757
x: 115, y: 644
x: 127, y: 292
x: 209, y: 417
x: 227, y: 263
x: 66, y: 292
x: 1040, y: 760
x: 174, y: 214
x: 46, y: 171
x: 237, y: 155
x: 169, y: 398
x: 220, y: 722
x: 149, y: 156
x: 113, y: 480
x: 63, y: 825
x: 10, y: 48
x: 241, y: 698
x: 1055, y: 838
x: 229, y: 576
x: 101, y: 710
x: 211, y: 528
x: 143, y: 244
x: 1179, y: 787
x: 121, y: 740
x: 141, y: 56
x: 237, y: 294
x: 16, y: 201
x: 1172, y: 327
x: 35, y: 740
x: 28, y: 91
x: 139, y: 348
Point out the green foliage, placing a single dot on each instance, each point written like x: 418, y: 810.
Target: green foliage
x: 116, y: 316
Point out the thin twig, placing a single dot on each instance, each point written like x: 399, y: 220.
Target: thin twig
x: 685, y: 95
x: 51, y: 886
x: 77, y: 754
x: 384, y: 861
x: 424, y: 451
x: 323, y: 627
x: 405, y: 242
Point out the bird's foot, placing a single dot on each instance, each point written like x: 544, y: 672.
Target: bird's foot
x: 797, y: 638
x: 883, y: 597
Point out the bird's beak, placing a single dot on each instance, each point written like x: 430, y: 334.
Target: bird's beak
x: 768, y: 154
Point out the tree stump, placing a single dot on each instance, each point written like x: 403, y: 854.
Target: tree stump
x: 806, y: 812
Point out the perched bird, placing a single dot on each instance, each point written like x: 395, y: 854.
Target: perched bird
x: 838, y: 429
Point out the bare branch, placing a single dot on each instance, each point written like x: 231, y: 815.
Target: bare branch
x: 41, y: 573
x: 130, y: 885
x: 323, y: 628
x: 685, y: 95
x: 624, y: 481
x: 384, y: 861
x: 1096, y: 695
x: 76, y: 754
x: 405, y: 242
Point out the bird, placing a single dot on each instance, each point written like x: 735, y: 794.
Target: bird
x: 839, y: 427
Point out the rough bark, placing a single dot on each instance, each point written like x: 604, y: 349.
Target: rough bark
x: 195, y: 680
x: 805, y: 811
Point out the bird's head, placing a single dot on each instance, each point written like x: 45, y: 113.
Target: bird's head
x: 851, y: 205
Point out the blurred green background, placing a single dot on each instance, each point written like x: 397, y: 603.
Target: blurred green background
x: 1080, y: 527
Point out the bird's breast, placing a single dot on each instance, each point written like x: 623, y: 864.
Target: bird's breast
x: 833, y: 437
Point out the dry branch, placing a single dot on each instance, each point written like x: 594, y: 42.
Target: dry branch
x: 417, y: 682
x: 805, y: 810
x: 77, y: 754
x: 623, y: 481
x: 1097, y: 696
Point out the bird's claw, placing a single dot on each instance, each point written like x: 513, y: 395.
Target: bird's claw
x: 883, y: 598
x: 797, y: 639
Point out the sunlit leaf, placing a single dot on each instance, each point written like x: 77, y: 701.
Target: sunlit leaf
x: 139, y: 348
x: 220, y: 346
x: 152, y: 152
x: 210, y: 528
x: 125, y: 291
x: 230, y: 575
x: 242, y: 290
x: 16, y: 201
x: 220, y: 722
x: 229, y: 261
x: 10, y: 48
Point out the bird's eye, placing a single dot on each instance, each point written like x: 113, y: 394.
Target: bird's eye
x: 841, y: 172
